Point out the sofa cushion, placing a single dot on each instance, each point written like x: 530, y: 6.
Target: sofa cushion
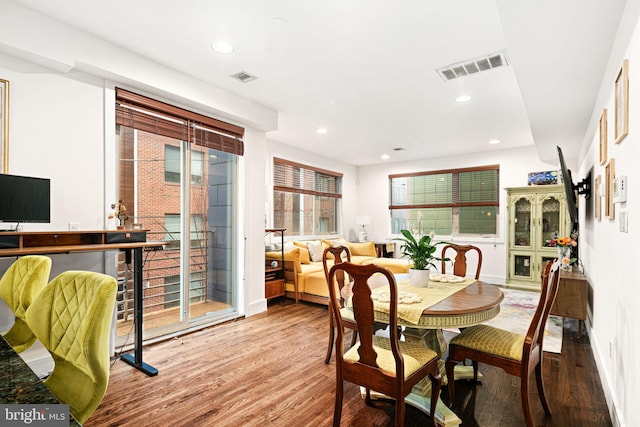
x: 304, y: 252
x: 292, y: 255
x: 395, y: 265
x: 366, y: 248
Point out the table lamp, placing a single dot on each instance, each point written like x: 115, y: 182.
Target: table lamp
x: 363, y: 220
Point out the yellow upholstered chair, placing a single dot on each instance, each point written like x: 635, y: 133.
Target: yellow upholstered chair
x: 386, y: 365
x: 72, y: 318
x: 19, y: 286
x: 516, y: 354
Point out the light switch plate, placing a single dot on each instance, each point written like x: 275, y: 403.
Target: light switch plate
x: 624, y: 222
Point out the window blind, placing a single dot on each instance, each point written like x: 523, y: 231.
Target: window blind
x: 149, y: 115
x: 294, y: 177
x: 446, y: 188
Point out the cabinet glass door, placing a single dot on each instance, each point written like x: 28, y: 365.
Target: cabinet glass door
x: 550, y: 214
x: 522, y: 265
x: 522, y: 223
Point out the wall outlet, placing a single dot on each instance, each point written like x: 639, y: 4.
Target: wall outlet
x: 610, y: 349
x: 73, y: 226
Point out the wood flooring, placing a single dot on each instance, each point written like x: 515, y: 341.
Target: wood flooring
x: 268, y: 370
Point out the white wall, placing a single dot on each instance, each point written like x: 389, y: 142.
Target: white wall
x: 515, y: 164
x: 62, y: 124
x: 609, y: 255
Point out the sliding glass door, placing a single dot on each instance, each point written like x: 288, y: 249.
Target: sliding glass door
x: 184, y: 194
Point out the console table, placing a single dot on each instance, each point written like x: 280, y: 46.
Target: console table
x: 60, y: 242
x: 571, y: 300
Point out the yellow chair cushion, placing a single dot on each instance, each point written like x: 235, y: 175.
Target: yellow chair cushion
x: 415, y: 356
x: 491, y: 340
x: 366, y: 248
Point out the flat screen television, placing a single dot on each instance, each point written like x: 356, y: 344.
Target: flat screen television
x: 25, y: 199
x: 570, y: 191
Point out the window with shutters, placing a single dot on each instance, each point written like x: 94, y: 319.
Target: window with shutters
x: 306, y: 200
x: 447, y: 202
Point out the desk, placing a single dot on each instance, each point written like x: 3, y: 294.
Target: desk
x: 60, y: 242
x: 19, y: 384
x: 469, y: 306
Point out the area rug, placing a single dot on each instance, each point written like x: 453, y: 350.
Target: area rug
x: 516, y: 312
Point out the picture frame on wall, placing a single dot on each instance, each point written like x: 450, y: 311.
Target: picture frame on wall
x: 609, y: 178
x: 622, y: 103
x: 603, y: 137
x: 598, y: 200
x: 4, y: 126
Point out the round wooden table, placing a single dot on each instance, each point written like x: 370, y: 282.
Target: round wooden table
x: 472, y: 305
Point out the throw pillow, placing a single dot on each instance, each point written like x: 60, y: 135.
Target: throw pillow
x: 304, y: 252
x: 315, y: 250
x: 363, y: 249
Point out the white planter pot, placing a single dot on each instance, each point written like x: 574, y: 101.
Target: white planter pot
x: 419, y: 278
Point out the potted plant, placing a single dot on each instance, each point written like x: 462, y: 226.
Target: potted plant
x: 422, y: 253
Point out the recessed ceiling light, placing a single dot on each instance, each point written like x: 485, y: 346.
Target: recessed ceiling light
x: 222, y: 47
x: 384, y: 157
x: 463, y: 98
x: 495, y: 141
x: 321, y: 131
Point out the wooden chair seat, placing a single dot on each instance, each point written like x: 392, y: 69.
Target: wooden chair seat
x: 491, y: 340
x: 415, y: 356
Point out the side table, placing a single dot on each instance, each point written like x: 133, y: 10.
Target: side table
x: 571, y: 300
x: 384, y: 249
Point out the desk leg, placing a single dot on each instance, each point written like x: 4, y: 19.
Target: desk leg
x: 136, y: 359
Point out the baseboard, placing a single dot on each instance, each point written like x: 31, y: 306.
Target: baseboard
x: 604, y: 379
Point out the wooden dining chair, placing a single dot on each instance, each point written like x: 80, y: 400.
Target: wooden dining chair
x: 335, y: 255
x: 516, y: 354
x: 460, y: 261
x: 385, y: 365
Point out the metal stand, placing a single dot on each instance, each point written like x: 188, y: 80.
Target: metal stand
x: 136, y: 359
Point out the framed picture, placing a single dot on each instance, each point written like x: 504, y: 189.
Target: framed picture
x: 543, y: 178
x: 603, y: 137
x: 622, y: 103
x: 609, y: 177
x: 598, y: 201
x: 4, y: 126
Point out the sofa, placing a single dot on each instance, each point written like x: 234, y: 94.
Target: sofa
x: 304, y: 273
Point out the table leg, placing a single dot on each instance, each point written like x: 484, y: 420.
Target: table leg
x: 136, y: 359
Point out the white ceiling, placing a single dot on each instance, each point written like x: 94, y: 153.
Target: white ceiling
x: 365, y: 70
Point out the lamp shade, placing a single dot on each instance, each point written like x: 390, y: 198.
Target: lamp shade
x: 363, y: 220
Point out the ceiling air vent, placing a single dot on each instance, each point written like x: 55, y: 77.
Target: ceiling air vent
x: 244, y: 77
x: 473, y: 66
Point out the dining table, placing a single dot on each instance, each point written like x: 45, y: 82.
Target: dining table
x: 425, y: 313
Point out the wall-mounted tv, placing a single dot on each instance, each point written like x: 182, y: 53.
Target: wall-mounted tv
x: 572, y: 190
x: 25, y: 199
